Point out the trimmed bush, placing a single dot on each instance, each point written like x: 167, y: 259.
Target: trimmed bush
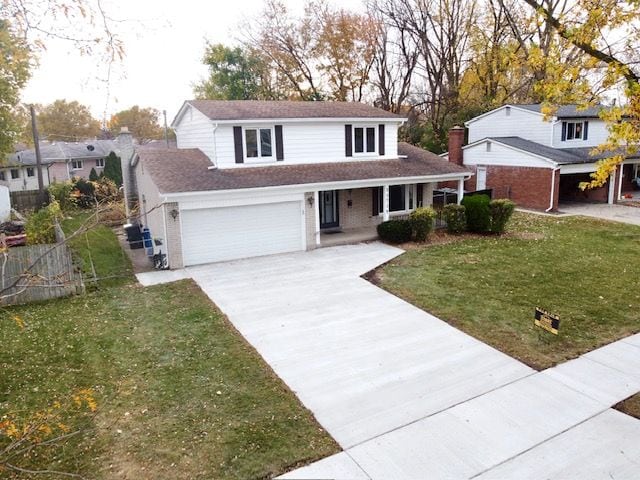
x: 395, y: 231
x: 501, y: 211
x: 455, y: 217
x: 478, y: 213
x: 422, y: 222
x: 93, y: 175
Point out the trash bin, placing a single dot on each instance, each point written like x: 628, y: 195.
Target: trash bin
x: 134, y: 236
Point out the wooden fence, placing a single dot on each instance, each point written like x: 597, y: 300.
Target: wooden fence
x: 53, y: 275
x: 25, y: 200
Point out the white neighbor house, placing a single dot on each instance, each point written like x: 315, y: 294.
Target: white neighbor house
x: 252, y: 178
x: 538, y: 162
x: 5, y: 204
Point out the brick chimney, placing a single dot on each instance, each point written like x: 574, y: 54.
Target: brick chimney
x: 126, y: 150
x: 456, y: 141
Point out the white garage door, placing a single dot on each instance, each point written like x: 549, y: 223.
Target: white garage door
x: 227, y: 233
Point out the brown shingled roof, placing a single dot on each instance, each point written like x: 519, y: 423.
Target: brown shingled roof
x: 186, y: 170
x: 264, y: 109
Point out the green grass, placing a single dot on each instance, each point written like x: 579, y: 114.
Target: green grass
x: 98, y: 253
x: 583, y: 269
x: 181, y: 395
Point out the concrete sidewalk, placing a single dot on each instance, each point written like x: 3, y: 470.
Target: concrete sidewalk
x: 616, y: 213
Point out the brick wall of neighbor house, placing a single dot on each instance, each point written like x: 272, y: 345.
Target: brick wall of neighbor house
x: 570, y: 189
x: 527, y: 187
x: 174, y: 236
x: 359, y: 213
x: 310, y: 221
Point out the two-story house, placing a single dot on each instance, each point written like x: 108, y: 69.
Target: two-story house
x: 252, y: 178
x: 538, y: 162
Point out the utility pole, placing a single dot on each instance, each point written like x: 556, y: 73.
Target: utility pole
x: 36, y: 142
x: 166, y: 131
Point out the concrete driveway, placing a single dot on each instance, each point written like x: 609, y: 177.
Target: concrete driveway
x: 616, y: 213
x: 409, y: 397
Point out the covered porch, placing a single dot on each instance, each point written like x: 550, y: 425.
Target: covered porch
x: 351, y: 215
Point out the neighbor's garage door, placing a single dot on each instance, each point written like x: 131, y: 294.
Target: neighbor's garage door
x: 227, y: 233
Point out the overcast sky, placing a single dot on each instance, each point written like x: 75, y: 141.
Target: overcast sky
x: 164, y: 42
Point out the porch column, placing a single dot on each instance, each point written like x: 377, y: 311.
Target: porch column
x: 316, y: 216
x: 385, y: 203
x: 460, y: 190
x: 612, y: 188
x: 427, y: 195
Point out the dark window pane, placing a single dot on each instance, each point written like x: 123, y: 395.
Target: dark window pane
x: 265, y: 142
x: 30, y: 172
x: 396, y: 198
x: 371, y: 139
x: 578, y: 131
x: 571, y: 131
x: 358, y: 134
x: 15, y: 173
x: 252, y: 143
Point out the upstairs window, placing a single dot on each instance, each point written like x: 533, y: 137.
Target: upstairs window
x: 76, y: 164
x: 15, y: 173
x: 258, y: 142
x: 575, y: 130
x: 364, y: 140
x: 31, y: 172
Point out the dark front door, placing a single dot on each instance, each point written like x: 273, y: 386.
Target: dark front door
x: 329, y: 209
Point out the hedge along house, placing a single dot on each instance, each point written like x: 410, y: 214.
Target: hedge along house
x: 535, y: 162
x: 252, y: 178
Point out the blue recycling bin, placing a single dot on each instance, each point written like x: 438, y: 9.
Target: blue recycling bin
x: 148, y: 243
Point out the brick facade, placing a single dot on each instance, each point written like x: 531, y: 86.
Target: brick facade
x: 527, y: 187
x: 310, y: 220
x: 174, y: 236
x: 356, y: 208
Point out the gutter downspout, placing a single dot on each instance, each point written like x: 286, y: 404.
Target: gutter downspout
x: 553, y: 189
x: 215, y: 153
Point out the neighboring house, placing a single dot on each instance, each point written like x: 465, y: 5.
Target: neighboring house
x: 60, y: 161
x: 252, y: 178
x: 5, y: 204
x: 536, y: 162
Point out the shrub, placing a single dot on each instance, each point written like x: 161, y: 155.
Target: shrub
x: 501, y: 211
x: 456, y: 217
x: 478, y: 213
x: 93, y: 176
x: 84, y: 192
x: 422, y: 222
x: 113, y: 169
x: 61, y: 192
x: 395, y: 231
x: 112, y: 214
x: 41, y: 225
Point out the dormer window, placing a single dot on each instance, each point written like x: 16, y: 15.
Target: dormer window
x: 258, y: 142
x: 575, y: 130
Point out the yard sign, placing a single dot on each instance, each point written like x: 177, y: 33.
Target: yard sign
x: 548, y: 321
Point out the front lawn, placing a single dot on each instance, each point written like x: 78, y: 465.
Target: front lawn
x: 180, y: 394
x: 585, y: 270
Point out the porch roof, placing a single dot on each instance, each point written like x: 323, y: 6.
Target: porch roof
x: 187, y: 170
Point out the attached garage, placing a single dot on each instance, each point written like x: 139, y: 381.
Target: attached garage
x: 228, y: 233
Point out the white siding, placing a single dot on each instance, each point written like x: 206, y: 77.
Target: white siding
x: 24, y: 182
x: 151, y: 215
x: 519, y: 123
x: 306, y: 142
x: 502, y: 156
x: 596, y: 135
x: 5, y: 204
x: 195, y: 130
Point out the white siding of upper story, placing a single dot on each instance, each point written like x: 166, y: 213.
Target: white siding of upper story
x: 305, y: 142
x: 151, y: 215
x: 501, y: 155
x: 195, y: 130
x: 518, y: 123
x: 596, y: 134
x: 24, y: 182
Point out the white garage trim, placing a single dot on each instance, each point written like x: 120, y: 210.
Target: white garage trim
x: 232, y: 232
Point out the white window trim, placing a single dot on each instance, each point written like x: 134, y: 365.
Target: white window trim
x: 76, y: 162
x: 410, y: 189
x: 98, y: 160
x: 259, y: 158
x: 27, y: 172
x: 11, y: 174
x: 376, y: 141
x: 574, y: 139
